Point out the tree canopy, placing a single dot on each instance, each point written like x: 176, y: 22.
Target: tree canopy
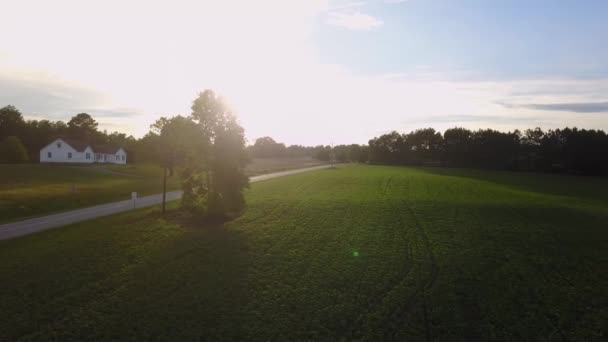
x: 82, y: 126
x: 209, y: 148
x: 11, y: 121
x: 12, y: 150
x: 266, y: 147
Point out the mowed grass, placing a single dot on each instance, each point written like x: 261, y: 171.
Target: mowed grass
x: 259, y: 166
x: 358, y: 252
x: 30, y: 190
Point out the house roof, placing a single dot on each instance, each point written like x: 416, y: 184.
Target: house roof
x: 80, y: 146
x: 105, y: 149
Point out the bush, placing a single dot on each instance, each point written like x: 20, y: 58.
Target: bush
x: 12, y: 150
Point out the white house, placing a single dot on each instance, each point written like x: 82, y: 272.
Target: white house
x: 63, y: 150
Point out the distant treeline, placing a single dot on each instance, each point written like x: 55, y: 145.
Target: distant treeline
x: 571, y: 150
x: 267, y: 147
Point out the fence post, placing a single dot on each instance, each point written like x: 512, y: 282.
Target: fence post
x: 134, y: 199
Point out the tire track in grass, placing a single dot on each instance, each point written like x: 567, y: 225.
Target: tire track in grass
x: 421, y: 292
x: 427, y: 283
x: 479, y: 232
x: 359, y: 321
x: 403, y: 231
x: 418, y: 295
x: 458, y: 196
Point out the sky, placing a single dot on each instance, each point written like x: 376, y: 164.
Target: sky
x: 311, y: 71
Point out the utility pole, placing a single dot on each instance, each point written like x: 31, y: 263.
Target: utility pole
x: 164, y: 188
x: 332, y: 156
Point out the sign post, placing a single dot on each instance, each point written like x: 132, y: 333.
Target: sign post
x: 134, y: 199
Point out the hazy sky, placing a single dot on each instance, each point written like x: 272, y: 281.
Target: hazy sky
x: 311, y: 71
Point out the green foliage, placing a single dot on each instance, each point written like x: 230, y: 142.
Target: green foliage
x: 209, y: 145
x: 82, y: 126
x: 350, y: 153
x: 266, y: 147
x: 12, y: 150
x: 11, y: 121
x: 353, y: 253
x: 181, y: 142
x: 323, y: 153
x: 228, y: 178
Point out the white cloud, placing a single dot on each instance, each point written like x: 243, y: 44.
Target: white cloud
x: 345, y: 5
x: 354, y: 21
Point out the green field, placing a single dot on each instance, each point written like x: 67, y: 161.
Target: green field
x: 358, y: 252
x: 259, y: 166
x: 29, y: 190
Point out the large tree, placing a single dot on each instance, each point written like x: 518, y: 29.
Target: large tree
x: 12, y: 150
x: 209, y: 149
x: 11, y: 122
x: 266, y: 147
x: 82, y: 126
x: 457, y: 146
x: 225, y: 156
x: 228, y: 178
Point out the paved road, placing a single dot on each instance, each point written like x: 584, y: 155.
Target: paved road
x: 12, y: 230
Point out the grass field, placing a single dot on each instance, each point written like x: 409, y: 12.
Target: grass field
x: 259, y: 166
x: 29, y: 190
x: 358, y: 252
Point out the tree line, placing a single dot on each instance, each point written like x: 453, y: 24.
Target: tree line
x: 267, y: 147
x: 568, y: 150
x: 571, y: 150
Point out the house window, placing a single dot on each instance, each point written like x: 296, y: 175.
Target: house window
x: 105, y: 157
x: 123, y: 157
x: 58, y: 145
x: 49, y: 155
x: 69, y: 155
x: 117, y: 157
x: 88, y: 156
